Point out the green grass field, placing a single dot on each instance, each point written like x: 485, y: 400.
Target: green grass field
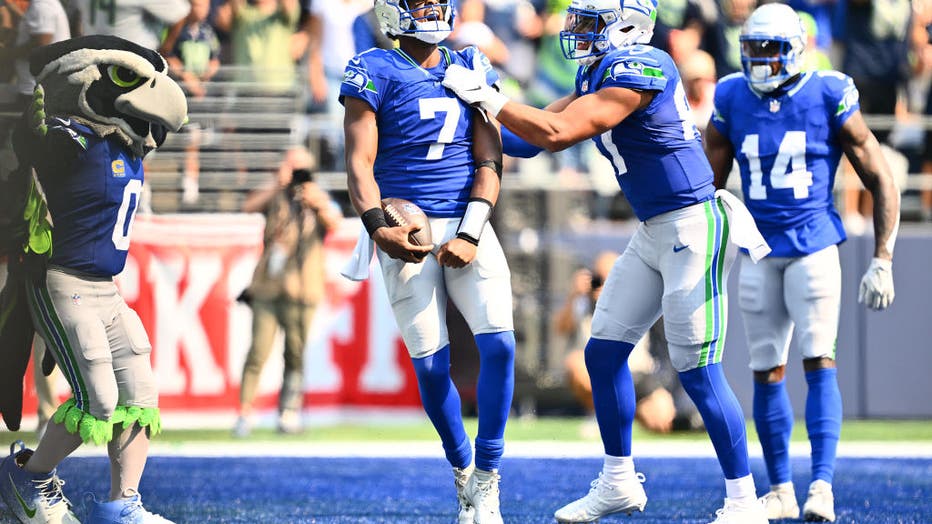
x: 546, y: 429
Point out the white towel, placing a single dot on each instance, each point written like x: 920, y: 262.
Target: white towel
x: 357, y: 268
x: 743, y: 231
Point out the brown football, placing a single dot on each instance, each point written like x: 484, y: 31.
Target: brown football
x: 401, y: 212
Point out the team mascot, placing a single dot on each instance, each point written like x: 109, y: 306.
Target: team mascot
x: 101, y: 104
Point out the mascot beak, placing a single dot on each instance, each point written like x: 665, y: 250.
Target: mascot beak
x: 159, y: 100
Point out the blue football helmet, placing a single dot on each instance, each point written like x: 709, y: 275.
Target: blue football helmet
x: 429, y: 21
x: 595, y: 27
x: 772, y: 43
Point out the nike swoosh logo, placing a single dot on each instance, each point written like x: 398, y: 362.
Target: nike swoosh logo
x: 30, y: 512
x: 677, y: 249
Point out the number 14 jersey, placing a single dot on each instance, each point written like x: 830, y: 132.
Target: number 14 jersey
x: 787, y: 149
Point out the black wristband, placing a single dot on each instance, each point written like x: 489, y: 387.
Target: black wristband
x: 468, y: 238
x: 373, y: 219
x: 493, y: 164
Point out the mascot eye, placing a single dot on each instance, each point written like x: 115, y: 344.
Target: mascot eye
x: 123, y: 77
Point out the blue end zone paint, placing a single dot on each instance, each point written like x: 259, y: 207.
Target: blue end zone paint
x: 353, y: 490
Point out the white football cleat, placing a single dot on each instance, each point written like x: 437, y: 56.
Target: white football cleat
x: 466, y: 512
x: 780, y: 502
x: 820, y: 504
x: 481, y: 492
x: 750, y: 512
x: 605, y: 499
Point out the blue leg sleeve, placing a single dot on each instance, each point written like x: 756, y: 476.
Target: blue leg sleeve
x: 441, y: 401
x: 823, y: 421
x: 494, y: 392
x: 612, y: 393
x: 773, y: 418
x: 722, y: 416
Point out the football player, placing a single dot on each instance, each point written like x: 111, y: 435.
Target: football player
x: 787, y: 129
x: 109, y: 103
x: 409, y: 137
x: 630, y: 101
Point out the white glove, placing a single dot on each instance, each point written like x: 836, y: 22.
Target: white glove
x: 876, y: 290
x: 471, y: 87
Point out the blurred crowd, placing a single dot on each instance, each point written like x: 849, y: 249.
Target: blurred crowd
x: 884, y: 45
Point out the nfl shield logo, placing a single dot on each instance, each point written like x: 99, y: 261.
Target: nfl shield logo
x: 774, y: 105
x: 585, y: 86
x: 76, y: 299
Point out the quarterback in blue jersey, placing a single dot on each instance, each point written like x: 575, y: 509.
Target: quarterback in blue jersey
x: 630, y: 101
x: 787, y: 129
x: 109, y: 102
x: 409, y: 137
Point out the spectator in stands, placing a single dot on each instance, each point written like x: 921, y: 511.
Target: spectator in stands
x: 43, y: 23
x: 814, y: 57
x: 721, y: 39
x: 288, y: 283
x: 331, y: 47
x: 471, y: 30
x: 143, y: 22
x: 875, y: 37
x: 517, y: 24
x: 655, y: 384
x: 681, y: 25
x: 261, y: 33
x: 194, y: 59
x: 366, y: 33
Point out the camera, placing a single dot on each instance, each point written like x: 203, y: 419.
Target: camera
x: 300, y: 176
x: 596, y: 282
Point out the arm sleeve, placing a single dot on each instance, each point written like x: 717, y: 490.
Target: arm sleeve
x: 720, y: 109
x: 643, y: 72
x: 359, y: 83
x: 513, y: 145
x: 841, y: 97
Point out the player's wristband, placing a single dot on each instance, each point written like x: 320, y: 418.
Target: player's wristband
x: 494, y: 103
x: 478, y: 211
x: 494, y: 165
x: 373, y: 219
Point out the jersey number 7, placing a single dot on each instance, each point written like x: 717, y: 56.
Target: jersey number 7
x: 450, y: 107
x: 789, y: 168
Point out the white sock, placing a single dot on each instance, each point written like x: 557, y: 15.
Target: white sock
x: 484, y: 475
x: 740, y: 489
x: 617, y: 469
x: 783, y: 486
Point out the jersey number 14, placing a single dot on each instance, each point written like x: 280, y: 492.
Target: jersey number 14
x: 789, y: 168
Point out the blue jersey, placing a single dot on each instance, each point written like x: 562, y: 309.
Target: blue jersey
x: 787, y: 149
x: 92, y: 198
x: 656, y: 151
x: 425, y: 132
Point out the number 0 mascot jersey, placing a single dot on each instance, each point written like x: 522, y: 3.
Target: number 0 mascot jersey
x: 418, y: 120
x: 94, y: 201
x: 656, y: 151
x: 787, y: 150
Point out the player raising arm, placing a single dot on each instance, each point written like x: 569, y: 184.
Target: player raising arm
x: 409, y: 137
x: 787, y: 130
x: 630, y: 101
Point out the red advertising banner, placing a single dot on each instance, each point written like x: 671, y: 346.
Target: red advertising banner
x: 183, y: 275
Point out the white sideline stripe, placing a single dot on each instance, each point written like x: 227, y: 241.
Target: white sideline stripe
x: 523, y: 449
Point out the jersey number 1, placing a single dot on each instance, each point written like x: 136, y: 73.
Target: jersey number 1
x: 789, y: 168
x: 450, y: 107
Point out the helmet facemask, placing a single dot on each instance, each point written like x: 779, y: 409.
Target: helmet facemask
x: 429, y: 22
x: 592, y: 29
x: 768, y: 62
x: 772, y: 43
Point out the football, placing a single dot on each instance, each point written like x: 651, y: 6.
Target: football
x: 401, y: 212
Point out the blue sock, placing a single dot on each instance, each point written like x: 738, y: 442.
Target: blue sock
x: 612, y: 393
x: 722, y: 415
x: 441, y: 401
x: 823, y: 421
x: 773, y: 418
x: 494, y: 391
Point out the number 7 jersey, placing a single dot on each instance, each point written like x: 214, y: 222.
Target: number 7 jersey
x: 787, y: 149
x: 425, y: 132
